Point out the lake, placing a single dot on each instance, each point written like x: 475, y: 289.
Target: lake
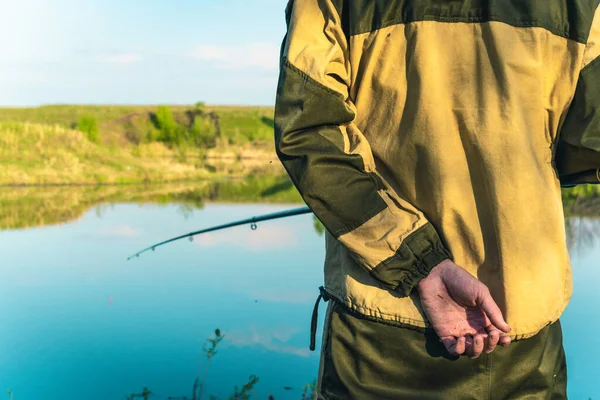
x: 79, y: 321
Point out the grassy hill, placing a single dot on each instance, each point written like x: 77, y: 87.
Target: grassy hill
x: 63, y: 144
x: 125, y: 125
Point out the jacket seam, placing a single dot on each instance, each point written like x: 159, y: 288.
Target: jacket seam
x: 492, y: 18
x: 310, y: 79
x: 589, y: 67
x: 364, y: 219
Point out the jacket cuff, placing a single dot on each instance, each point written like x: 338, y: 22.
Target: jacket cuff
x: 418, y: 254
x: 576, y: 165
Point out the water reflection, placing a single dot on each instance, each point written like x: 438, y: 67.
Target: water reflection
x: 23, y: 207
x: 582, y: 221
x: 77, y: 318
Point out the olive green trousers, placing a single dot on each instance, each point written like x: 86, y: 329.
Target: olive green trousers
x: 364, y: 359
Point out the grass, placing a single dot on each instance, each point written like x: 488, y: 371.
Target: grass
x: 98, y: 144
x: 44, y: 154
x: 241, y: 125
x: 237, y: 125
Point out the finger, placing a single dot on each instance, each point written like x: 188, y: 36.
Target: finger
x: 460, y: 345
x: 505, y: 340
x: 450, y: 343
x: 478, y: 344
x: 468, y: 345
x: 493, y: 338
x: 489, y: 306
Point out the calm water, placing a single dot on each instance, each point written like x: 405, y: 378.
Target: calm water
x: 78, y: 321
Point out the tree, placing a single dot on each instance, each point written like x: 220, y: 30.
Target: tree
x: 89, y: 125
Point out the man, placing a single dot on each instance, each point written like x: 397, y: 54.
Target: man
x: 431, y: 139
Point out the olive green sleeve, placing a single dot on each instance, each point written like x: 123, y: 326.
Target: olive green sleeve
x: 578, y: 149
x: 330, y: 161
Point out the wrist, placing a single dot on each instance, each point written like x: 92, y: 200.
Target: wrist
x: 435, y: 272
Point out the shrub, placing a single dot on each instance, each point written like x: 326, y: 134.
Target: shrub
x: 136, y: 130
x: 202, y: 133
x: 89, y: 125
x: 170, y: 132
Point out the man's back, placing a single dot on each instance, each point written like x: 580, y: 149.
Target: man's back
x: 423, y: 130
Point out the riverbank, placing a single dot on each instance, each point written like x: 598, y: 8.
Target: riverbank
x: 37, y: 154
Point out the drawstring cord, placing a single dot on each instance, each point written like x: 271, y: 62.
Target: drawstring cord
x: 313, y: 323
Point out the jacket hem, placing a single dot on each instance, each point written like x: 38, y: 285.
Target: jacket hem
x: 419, y: 325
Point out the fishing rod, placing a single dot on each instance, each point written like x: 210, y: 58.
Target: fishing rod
x: 252, y: 221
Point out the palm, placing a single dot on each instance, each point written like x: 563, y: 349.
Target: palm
x: 451, y: 318
x: 459, y: 308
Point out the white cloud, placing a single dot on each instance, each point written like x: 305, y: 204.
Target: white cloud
x: 120, y: 58
x: 269, y: 339
x: 251, y: 55
x: 122, y: 231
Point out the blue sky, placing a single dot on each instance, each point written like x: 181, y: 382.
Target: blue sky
x: 140, y: 52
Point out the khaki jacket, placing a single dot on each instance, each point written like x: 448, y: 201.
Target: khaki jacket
x: 418, y: 131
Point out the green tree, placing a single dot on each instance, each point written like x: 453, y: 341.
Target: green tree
x: 202, y: 133
x: 169, y: 130
x: 89, y: 125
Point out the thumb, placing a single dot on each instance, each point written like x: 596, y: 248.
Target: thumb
x: 489, y: 306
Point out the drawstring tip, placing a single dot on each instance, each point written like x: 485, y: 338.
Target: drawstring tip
x: 313, y: 323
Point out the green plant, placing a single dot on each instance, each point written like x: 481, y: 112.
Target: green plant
x: 202, y: 133
x: 309, y: 391
x: 170, y: 132
x: 244, y: 393
x: 89, y: 125
x: 145, y: 395
x: 210, y: 352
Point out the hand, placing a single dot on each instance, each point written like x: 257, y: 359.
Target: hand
x: 462, y: 311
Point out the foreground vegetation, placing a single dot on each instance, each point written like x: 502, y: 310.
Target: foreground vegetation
x: 244, y: 392
x: 198, y: 392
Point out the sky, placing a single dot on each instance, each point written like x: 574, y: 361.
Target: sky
x: 139, y: 51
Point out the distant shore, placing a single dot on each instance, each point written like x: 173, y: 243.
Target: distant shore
x: 91, y: 145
